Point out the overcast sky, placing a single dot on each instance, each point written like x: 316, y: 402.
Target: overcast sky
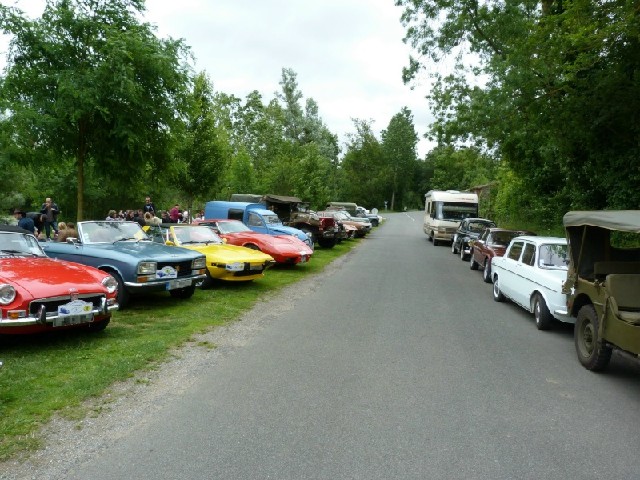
x: 348, y: 54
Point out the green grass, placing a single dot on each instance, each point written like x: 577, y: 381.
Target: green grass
x: 56, y: 373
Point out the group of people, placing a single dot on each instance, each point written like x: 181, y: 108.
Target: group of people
x: 44, y: 224
x: 149, y: 215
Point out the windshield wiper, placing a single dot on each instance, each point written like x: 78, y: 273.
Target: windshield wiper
x: 124, y: 239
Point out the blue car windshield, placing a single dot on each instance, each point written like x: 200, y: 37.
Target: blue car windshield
x: 271, y: 219
x: 110, y: 232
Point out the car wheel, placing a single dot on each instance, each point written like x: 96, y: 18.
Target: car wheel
x: 327, y: 242
x: 541, y: 313
x: 435, y: 242
x: 473, y: 265
x: 463, y: 256
x: 252, y: 246
x: 183, y: 293
x: 486, y: 271
x: 123, y: 295
x: 497, y: 294
x: 453, y: 246
x: 593, y: 354
x: 100, y: 325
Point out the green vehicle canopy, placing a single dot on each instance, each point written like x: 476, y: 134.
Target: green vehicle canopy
x: 589, y: 234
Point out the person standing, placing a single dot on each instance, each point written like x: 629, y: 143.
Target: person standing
x: 174, y: 213
x: 148, y: 206
x: 24, y: 221
x: 50, y: 213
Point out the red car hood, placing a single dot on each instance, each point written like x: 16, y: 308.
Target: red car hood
x: 46, y: 277
x: 275, y: 241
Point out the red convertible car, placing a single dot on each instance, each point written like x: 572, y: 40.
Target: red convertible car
x: 285, y: 249
x: 40, y: 294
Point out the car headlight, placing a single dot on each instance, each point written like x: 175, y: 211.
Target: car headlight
x: 110, y: 283
x: 199, y: 263
x: 7, y: 294
x: 147, y: 268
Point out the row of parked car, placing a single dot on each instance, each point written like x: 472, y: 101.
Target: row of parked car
x: 80, y: 282
x: 590, y: 278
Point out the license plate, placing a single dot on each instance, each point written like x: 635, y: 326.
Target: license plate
x: 255, y: 267
x: 178, y: 283
x: 303, y: 258
x: 72, y: 320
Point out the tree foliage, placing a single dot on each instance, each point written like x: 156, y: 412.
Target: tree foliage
x: 88, y: 81
x: 203, y: 150
x: 558, y: 99
x: 399, y: 142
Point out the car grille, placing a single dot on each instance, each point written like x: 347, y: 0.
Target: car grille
x: 183, y: 268
x: 52, y: 304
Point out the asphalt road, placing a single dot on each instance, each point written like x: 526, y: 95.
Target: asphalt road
x: 398, y: 365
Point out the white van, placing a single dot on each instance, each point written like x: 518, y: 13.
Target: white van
x: 444, y: 210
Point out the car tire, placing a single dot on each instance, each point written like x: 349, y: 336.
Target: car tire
x: 486, y: 271
x: 252, y: 246
x: 453, y: 246
x: 99, y: 325
x: 464, y: 257
x: 435, y: 242
x: 183, y: 293
x: 541, y: 313
x: 592, y: 353
x: 473, y: 265
x: 327, y: 242
x: 498, y: 296
x: 123, y: 295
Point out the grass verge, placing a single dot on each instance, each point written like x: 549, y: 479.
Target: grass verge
x: 56, y: 373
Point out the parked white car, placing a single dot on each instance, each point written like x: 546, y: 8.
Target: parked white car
x: 531, y: 274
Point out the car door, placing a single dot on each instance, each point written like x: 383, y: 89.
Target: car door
x: 524, y: 279
x: 480, y: 247
x: 508, y: 276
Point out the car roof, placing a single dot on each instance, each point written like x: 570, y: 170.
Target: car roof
x: 479, y: 219
x: 622, y: 220
x: 541, y: 240
x: 521, y: 232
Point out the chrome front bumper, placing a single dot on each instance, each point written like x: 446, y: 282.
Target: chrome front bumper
x: 44, y: 318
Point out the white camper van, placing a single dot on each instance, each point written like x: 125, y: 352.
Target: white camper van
x: 444, y: 210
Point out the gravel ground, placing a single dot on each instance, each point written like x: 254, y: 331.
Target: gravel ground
x: 130, y: 404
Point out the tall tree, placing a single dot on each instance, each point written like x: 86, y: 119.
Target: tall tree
x: 89, y: 81
x: 364, y: 178
x: 203, y: 149
x: 399, y: 142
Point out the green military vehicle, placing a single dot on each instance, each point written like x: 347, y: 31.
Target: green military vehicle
x: 603, y: 283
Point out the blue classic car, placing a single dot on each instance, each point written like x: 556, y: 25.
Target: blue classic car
x: 139, y: 265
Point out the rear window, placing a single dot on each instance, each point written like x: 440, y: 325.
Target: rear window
x: 515, y: 251
x: 553, y: 256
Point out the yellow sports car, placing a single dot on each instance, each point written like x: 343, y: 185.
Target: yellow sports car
x: 224, y: 262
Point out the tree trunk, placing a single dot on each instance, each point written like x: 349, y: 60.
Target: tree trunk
x: 80, y: 159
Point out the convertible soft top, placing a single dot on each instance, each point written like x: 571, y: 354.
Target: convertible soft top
x: 621, y: 220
